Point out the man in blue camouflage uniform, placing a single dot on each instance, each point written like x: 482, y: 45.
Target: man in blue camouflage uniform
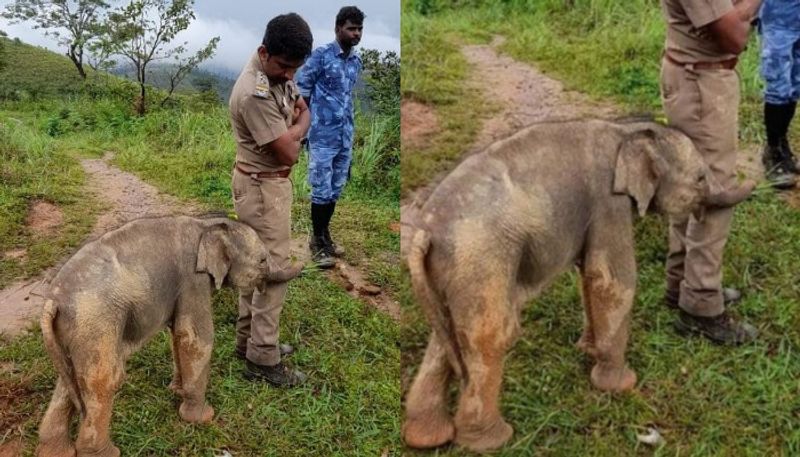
x: 780, y: 68
x: 326, y: 82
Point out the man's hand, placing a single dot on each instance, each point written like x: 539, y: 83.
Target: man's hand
x: 286, y: 148
x: 731, y: 30
x: 301, y: 119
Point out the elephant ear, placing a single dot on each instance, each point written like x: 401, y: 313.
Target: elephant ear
x: 639, y: 168
x: 212, y: 253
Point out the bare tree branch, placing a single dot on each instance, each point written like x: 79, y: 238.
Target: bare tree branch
x: 132, y: 32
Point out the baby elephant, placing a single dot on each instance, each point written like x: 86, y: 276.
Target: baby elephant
x: 504, y: 224
x: 116, y: 293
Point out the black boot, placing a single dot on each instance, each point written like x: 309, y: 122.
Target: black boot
x: 320, y: 252
x: 779, y: 164
x: 787, y: 150
x: 278, y: 375
x: 788, y: 156
x: 722, y: 329
x: 333, y: 248
x: 778, y: 168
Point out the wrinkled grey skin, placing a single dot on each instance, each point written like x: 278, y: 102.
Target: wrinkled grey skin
x: 116, y: 293
x: 504, y: 224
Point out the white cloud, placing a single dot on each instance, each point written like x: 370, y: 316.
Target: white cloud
x: 26, y: 33
x: 237, y: 40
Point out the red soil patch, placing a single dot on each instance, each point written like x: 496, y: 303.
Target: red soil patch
x: 44, y: 217
x: 418, y: 122
x: 16, y: 254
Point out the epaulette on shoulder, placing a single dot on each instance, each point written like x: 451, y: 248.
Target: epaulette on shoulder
x: 261, y: 90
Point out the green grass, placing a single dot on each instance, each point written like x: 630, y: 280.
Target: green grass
x: 704, y: 399
x: 350, y: 405
x: 26, y: 70
x: 34, y: 168
x: 435, y: 73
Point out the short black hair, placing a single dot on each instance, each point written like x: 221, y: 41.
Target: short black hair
x: 349, y: 13
x: 288, y: 36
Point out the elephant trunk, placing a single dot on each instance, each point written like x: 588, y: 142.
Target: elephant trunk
x: 285, y: 274
x: 731, y: 196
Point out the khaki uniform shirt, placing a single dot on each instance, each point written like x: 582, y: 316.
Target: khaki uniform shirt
x: 260, y: 114
x: 687, y: 33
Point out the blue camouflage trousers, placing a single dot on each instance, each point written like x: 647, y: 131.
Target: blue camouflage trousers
x: 780, y: 64
x: 328, y: 171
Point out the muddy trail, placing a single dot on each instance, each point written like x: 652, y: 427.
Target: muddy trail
x: 526, y: 96
x: 127, y: 197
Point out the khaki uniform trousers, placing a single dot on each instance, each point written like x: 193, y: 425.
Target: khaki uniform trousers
x: 265, y: 205
x: 703, y: 104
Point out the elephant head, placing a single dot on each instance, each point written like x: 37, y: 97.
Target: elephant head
x: 661, y: 165
x: 232, y: 251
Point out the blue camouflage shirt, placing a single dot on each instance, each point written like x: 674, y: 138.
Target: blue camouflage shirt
x: 784, y: 14
x: 328, y: 77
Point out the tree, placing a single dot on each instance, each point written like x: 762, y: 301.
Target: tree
x: 2, y: 50
x: 141, y: 32
x: 382, y: 73
x: 73, y: 23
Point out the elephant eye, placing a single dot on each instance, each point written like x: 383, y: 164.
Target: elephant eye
x: 263, y: 260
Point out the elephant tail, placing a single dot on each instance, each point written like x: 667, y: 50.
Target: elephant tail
x: 437, y: 312
x: 60, y: 358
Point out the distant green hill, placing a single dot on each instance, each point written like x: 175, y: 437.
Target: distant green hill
x: 32, y: 71
x: 196, y: 81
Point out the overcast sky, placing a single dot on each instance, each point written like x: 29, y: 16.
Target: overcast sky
x: 240, y: 25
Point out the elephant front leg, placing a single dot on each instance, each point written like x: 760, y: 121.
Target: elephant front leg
x: 54, y: 440
x: 608, y: 303
x: 192, y: 343
x: 428, y: 422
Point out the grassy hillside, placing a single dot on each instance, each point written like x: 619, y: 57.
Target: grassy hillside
x: 349, y: 406
x: 32, y: 72
x: 704, y: 399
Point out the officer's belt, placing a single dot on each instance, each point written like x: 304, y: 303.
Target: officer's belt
x: 729, y: 64
x: 264, y: 174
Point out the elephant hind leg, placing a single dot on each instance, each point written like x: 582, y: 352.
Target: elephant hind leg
x: 98, y: 381
x: 428, y: 422
x: 486, y: 326
x: 54, y: 440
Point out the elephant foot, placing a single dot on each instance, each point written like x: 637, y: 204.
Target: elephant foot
x: 109, y: 450
x: 429, y: 429
x: 613, y: 379
x: 196, y: 412
x: 176, y: 386
x: 59, y: 448
x: 586, y: 344
x: 484, y: 438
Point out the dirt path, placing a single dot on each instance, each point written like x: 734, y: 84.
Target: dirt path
x: 525, y: 94
x: 128, y: 198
